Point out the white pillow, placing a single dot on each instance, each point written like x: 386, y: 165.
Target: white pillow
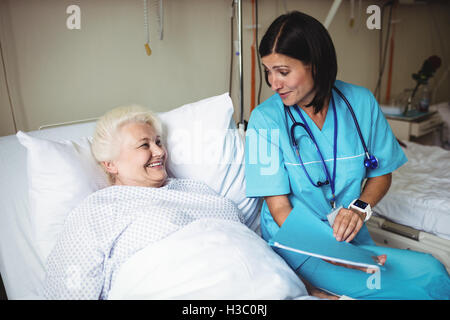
x: 202, y: 143
x: 60, y: 175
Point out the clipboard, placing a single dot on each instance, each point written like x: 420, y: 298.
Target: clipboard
x: 304, y: 235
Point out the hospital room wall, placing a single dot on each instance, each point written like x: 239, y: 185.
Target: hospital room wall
x: 420, y: 32
x: 58, y: 75
x: 63, y: 75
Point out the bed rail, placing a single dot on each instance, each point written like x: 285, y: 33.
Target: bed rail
x: 390, y: 234
x: 47, y: 126
x: 401, y: 230
x: 3, y: 295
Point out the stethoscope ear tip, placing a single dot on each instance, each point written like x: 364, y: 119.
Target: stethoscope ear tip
x: 319, y: 183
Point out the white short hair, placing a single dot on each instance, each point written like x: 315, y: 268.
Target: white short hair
x: 104, y: 145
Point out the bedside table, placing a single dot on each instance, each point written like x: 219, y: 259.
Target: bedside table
x: 413, y: 127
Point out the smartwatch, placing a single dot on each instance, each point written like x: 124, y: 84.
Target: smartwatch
x: 362, y: 207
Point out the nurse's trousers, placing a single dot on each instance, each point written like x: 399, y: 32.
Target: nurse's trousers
x: 407, y: 275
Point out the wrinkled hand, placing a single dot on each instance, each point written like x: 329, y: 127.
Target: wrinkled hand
x: 347, y: 224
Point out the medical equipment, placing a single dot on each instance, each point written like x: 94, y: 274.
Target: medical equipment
x: 334, y: 8
x: 370, y: 161
x: 147, y: 43
x: 305, y: 126
x: 159, y: 17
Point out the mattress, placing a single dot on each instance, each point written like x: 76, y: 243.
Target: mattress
x: 21, y: 270
x: 419, y: 196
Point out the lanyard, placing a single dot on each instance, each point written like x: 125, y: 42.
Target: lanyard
x: 329, y: 179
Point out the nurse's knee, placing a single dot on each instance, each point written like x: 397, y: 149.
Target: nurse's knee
x: 432, y: 264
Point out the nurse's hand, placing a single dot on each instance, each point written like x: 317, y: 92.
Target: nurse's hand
x: 381, y: 260
x: 347, y: 224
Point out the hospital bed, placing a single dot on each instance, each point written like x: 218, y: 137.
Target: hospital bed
x: 21, y: 263
x: 415, y: 213
x: 20, y: 267
x: 200, y: 131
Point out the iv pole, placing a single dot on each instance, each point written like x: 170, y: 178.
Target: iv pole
x: 241, y: 79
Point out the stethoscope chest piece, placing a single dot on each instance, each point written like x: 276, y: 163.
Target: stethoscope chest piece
x: 371, y: 162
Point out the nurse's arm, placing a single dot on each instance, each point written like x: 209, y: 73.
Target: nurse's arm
x: 375, y: 189
x: 279, y: 207
x: 348, y: 222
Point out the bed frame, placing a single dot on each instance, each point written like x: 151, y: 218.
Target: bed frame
x: 3, y: 295
x: 390, y: 234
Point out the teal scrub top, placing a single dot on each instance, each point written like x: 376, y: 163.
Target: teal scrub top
x: 273, y: 168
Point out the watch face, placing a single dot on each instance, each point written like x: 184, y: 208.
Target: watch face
x: 360, y: 204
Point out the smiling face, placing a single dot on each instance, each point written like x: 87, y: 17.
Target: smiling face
x: 141, y: 159
x: 290, y: 78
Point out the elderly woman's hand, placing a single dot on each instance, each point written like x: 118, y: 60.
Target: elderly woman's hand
x: 347, y: 224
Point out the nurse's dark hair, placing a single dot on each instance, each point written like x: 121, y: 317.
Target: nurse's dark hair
x: 302, y: 37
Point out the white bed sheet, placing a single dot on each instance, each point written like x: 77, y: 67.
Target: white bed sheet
x: 21, y: 270
x: 205, y: 255
x: 419, y: 196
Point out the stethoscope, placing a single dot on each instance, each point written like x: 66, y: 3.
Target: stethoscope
x: 370, y: 161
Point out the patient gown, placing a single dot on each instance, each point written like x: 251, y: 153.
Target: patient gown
x: 114, y: 223
x: 273, y: 168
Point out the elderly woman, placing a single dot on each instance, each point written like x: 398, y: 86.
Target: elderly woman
x: 141, y: 207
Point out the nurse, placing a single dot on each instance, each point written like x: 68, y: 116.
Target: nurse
x: 328, y: 171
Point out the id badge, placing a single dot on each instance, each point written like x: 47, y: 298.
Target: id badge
x: 332, y: 215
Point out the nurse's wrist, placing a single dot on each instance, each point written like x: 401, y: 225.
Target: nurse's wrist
x: 361, y: 207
